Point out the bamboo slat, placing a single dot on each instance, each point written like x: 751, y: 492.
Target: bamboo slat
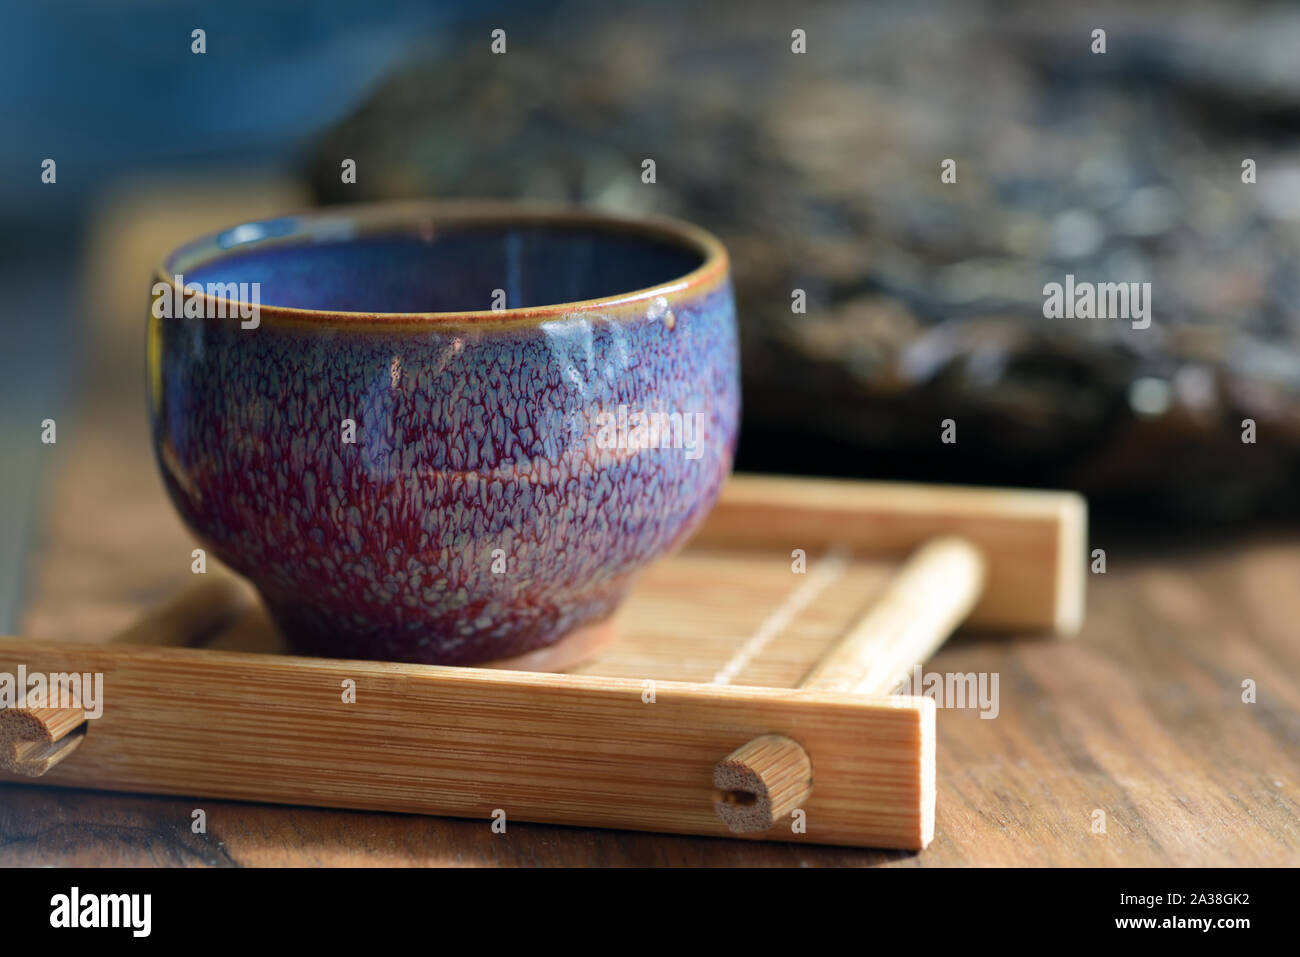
x: 1034, y: 541
x: 468, y: 742
x: 712, y: 646
x: 772, y: 776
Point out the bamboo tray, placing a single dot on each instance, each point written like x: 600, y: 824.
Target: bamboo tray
x: 730, y: 703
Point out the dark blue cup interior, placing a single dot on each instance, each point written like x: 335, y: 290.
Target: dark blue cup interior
x: 454, y: 270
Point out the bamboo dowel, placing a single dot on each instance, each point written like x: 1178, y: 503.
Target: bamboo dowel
x: 761, y: 782
x: 765, y: 779
x: 33, y: 740
x: 923, y: 604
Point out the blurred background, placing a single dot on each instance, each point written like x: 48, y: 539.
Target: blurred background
x: 820, y: 171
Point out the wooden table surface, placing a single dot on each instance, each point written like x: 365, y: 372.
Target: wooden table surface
x: 1140, y: 717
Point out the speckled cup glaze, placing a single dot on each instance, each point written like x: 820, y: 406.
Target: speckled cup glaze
x: 485, y: 508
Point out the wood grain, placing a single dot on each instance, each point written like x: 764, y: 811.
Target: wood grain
x: 178, y: 726
x: 1033, y: 541
x: 924, y: 602
x: 1140, y: 717
x: 34, y: 739
x: 765, y: 779
x: 474, y: 742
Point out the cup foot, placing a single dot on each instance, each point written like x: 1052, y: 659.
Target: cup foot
x: 579, y: 646
x: 524, y: 638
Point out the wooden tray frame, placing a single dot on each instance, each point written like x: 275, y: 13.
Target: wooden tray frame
x: 577, y: 749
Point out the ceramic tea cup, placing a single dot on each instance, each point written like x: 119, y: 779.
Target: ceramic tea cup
x: 447, y: 433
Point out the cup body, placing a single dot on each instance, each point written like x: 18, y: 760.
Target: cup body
x: 453, y: 486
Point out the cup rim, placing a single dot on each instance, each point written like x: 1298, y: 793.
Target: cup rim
x: 353, y: 220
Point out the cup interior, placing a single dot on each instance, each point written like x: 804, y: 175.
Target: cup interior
x: 423, y: 266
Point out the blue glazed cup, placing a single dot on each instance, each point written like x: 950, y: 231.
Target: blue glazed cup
x: 447, y: 433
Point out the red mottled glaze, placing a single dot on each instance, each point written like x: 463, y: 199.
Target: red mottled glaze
x: 482, y: 511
